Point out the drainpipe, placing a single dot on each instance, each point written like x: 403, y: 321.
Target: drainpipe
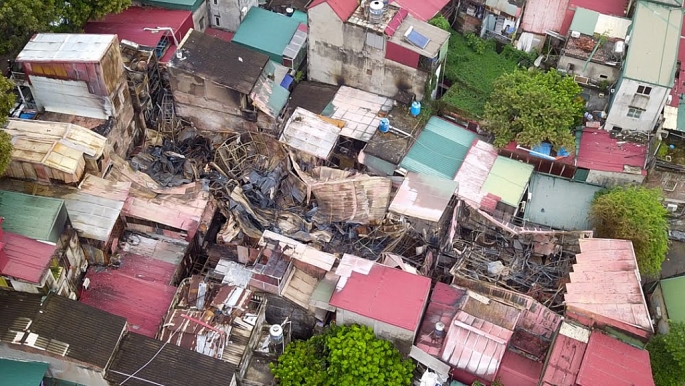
x: 599, y: 42
x: 169, y: 29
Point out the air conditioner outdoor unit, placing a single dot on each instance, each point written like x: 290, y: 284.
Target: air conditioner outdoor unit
x: 575, y: 34
x: 672, y: 208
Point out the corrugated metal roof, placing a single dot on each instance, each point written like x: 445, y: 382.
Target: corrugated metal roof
x: 439, y: 150
x: 343, y: 8
x: 94, y: 217
x: 608, y: 264
x: 474, y: 171
x: 518, y: 370
x: 598, y: 151
x: 190, y: 5
x: 423, y: 196
x: 39, y: 218
x: 673, y: 290
x: 266, y: 32
x: 559, y: 203
x: 306, y: 131
x: 653, y: 50
x: 381, y: 293
x: 543, y: 15
x: 475, y: 345
x: 508, y: 180
x: 422, y: 10
x: 47, y: 47
x: 225, y: 63
x: 267, y: 94
x: 299, y: 251
x: 505, y: 6
x: 608, y: 361
x: 178, y: 212
x: 17, y: 309
x: 584, y: 21
x: 359, y: 109
x: 566, y: 356
x: 92, y: 335
x: 437, y: 37
x: 25, y: 259
x: 21, y: 373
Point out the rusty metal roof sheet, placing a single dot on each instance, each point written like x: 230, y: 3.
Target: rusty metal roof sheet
x: 306, y: 131
x: 474, y: 171
x: 423, y: 196
x: 178, y: 212
x: 47, y: 47
x: 605, y: 282
x: 299, y: 251
x: 566, y: 356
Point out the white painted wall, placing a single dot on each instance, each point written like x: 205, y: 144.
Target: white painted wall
x: 60, y: 368
x: 593, y: 70
x: 401, y: 338
x: 625, y: 97
x: 609, y: 179
x: 349, y: 61
x: 229, y: 13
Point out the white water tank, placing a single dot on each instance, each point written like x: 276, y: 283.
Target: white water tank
x: 619, y: 47
x: 376, y: 12
x: 276, y: 333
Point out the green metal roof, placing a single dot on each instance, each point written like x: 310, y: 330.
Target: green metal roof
x: 266, y: 32
x: 39, y: 218
x: 559, y: 203
x: 18, y: 373
x: 673, y: 290
x: 439, y: 150
x: 508, y: 180
x: 584, y: 21
x: 300, y: 16
x: 188, y: 5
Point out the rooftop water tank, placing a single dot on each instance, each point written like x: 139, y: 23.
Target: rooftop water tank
x: 276, y: 333
x: 376, y: 12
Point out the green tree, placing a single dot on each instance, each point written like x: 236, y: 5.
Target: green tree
x: 74, y: 14
x: 7, y: 100
x: 20, y: 19
x: 634, y: 213
x: 344, y: 355
x: 667, y: 356
x: 440, y: 22
x: 532, y: 107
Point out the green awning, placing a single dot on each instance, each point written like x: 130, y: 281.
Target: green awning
x: 17, y: 373
x: 673, y: 290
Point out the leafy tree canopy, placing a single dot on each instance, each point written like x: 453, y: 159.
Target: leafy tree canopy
x: 634, y: 213
x: 74, y: 14
x: 6, y: 103
x: 440, y: 22
x: 532, y: 107
x: 344, y: 355
x: 667, y: 356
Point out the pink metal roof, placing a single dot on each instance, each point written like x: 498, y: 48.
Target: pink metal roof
x: 608, y: 361
x: 396, y: 21
x: 24, y: 258
x: 606, y: 7
x: 519, y: 370
x: 598, y: 151
x: 475, y: 345
x: 385, y: 294
x: 220, y: 34
x: 444, y: 303
x: 605, y: 284
x: 176, y: 212
x: 474, y: 171
x: 564, y: 360
x: 138, y: 291
x: 343, y: 8
x: 422, y: 9
x: 543, y: 15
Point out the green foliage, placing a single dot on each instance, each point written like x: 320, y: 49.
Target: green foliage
x: 20, y: 19
x: 667, y: 356
x: 344, y: 355
x: 477, y: 44
x: 532, y: 107
x: 440, y: 22
x: 74, y: 14
x: 634, y: 213
x: 7, y: 100
x: 663, y: 150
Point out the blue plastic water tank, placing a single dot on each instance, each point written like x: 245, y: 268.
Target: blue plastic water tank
x: 415, y: 108
x: 384, y: 126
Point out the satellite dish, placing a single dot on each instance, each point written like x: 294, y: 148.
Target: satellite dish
x: 538, y: 61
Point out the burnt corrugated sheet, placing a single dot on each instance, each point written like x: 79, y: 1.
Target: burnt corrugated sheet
x: 92, y: 334
x: 15, y: 305
x: 172, y: 366
x: 313, y: 96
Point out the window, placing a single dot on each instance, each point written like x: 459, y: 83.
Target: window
x: 603, y: 77
x: 634, y: 113
x: 644, y: 90
x: 216, y: 19
x: 375, y: 41
x: 202, y: 23
x: 216, y: 2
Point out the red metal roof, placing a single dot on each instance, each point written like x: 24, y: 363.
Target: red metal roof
x: 24, y: 258
x: 443, y: 305
x: 220, y: 34
x: 343, y: 8
x: 395, y: 22
x: 422, y: 9
x: 543, y: 15
x: 130, y: 24
x: 606, y: 7
x: 602, y: 264
x: 565, y: 359
x: 385, y: 294
x: 598, y: 151
x: 138, y: 291
x: 608, y: 361
x: 519, y: 370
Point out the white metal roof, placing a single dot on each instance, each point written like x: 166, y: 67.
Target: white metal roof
x: 359, y: 109
x: 423, y: 196
x: 66, y: 47
x: 306, y: 131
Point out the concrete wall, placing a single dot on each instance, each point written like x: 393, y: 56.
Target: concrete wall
x: 228, y: 12
x: 59, y: 368
x: 198, y: 15
x: 609, y: 179
x: 625, y: 97
x: 278, y: 309
x: 401, y: 338
x: 350, y: 62
x: 593, y: 70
